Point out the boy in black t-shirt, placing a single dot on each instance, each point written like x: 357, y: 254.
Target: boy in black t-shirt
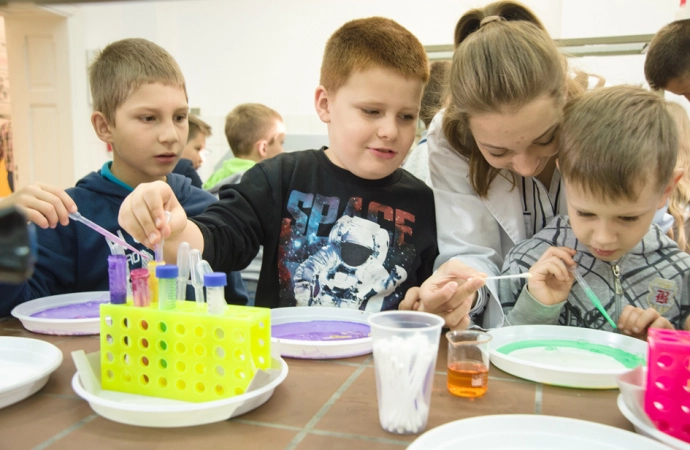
x: 342, y: 226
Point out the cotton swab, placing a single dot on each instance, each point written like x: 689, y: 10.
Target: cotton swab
x: 505, y: 277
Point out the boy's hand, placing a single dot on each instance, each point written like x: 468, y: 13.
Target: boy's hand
x: 635, y: 321
x: 142, y: 213
x: 449, y: 293
x: 44, y: 205
x: 552, y: 279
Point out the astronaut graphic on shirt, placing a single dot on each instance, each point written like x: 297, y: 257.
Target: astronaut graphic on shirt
x: 348, y: 272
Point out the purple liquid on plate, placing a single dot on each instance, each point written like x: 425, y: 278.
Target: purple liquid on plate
x: 86, y: 310
x: 322, y: 330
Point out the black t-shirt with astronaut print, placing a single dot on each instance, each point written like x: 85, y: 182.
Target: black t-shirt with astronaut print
x: 330, y: 238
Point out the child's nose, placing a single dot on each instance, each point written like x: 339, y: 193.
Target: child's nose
x: 168, y: 132
x: 388, y: 128
x: 603, y: 235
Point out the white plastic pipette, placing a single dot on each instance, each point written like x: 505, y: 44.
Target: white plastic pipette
x: 197, y: 277
x: 99, y: 229
x: 183, y: 270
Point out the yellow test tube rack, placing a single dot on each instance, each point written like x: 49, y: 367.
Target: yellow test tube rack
x: 185, y: 353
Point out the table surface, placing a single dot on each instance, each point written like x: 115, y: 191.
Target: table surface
x: 321, y: 404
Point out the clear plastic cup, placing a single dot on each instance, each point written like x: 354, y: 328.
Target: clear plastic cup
x: 405, y: 345
x: 468, y: 363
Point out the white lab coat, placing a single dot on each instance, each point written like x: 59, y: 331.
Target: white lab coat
x: 476, y: 231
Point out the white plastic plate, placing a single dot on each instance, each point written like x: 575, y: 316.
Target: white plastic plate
x: 556, y: 362
x: 642, y: 427
x: 140, y: 410
x: 530, y: 432
x: 25, y: 365
x: 70, y: 327
x: 330, y: 349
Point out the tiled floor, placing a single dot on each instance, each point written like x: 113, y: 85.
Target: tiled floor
x: 321, y: 404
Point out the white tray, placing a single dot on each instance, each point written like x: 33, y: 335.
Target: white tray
x: 140, y: 410
x: 320, y: 349
x: 530, y: 432
x: 25, y: 365
x: 561, y: 365
x: 70, y: 327
x: 647, y: 430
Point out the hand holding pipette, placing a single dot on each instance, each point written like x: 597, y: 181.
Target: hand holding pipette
x: 551, y: 277
x: 97, y: 228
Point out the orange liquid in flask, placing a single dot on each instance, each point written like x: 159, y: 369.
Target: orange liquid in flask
x: 468, y: 378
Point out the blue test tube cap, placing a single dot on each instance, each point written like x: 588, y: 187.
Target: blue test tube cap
x: 166, y: 271
x: 215, y: 279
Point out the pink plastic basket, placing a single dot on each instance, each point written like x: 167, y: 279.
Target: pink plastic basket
x: 667, y: 399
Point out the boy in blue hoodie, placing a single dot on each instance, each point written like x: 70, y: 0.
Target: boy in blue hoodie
x: 140, y: 109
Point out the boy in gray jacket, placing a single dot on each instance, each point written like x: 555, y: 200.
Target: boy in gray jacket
x: 617, y: 158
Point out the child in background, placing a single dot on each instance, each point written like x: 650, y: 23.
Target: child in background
x: 140, y: 108
x: 255, y: 132
x: 417, y: 162
x: 191, y: 159
x: 679, y: 203
x: 667, y: 64
x: 341, y: 226
x: 617, y: 159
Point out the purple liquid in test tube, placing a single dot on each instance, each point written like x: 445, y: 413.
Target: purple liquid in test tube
x: 140, y: 287
x: 117, y: 276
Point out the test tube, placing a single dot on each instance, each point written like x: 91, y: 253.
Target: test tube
x: 117, y: 277
x: 183, y: 267
x: 153, y: 281
x: 215, y: 292
x: 167, y: 286
x: 140, y: 287
x: 197, y: 277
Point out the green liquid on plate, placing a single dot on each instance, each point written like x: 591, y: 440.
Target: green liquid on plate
x: 629, y: 360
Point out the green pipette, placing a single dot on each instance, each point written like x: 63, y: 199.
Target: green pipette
x: 593, y: 298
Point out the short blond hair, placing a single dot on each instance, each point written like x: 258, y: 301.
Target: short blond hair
x: 246, y: 124
x: 124, y: 66
x: 197, y: 126
x: 680, y: 197
x: 374, y: 42
x: 616, y: 137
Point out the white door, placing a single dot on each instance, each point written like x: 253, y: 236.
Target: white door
x: 39, y: 73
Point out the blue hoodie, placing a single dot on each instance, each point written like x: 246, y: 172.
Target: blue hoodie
x: 74, y: 258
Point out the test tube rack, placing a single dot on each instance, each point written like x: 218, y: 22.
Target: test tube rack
x: 667, y: 397
x: 184, y: 353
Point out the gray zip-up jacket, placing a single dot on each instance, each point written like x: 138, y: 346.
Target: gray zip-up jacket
x: 654, y: 274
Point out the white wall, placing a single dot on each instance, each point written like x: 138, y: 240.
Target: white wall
x: 269, y: 51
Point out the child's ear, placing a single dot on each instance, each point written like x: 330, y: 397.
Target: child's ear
x: 668, y: 190
x: 557, y: 165
x: 101, y: 127
x: 260, y: 147
x: 322, y: 104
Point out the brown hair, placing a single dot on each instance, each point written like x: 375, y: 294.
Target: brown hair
x: 506, y: 62
x: 364, y: 44
x: 680, y: 197
x: 667, y: 55
x: 124, y: 66
x: 246, y: 124
x: 435, y: 91
x: 197, y: 126
x: 613, y: 138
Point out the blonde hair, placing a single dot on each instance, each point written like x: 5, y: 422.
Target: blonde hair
x: 504, y: 58
x: 679, y: 201
x: 246, y: 124
x: 364, y: 44
x: 124, y: 66
x: 197, y: 126
x: 614, y: 138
